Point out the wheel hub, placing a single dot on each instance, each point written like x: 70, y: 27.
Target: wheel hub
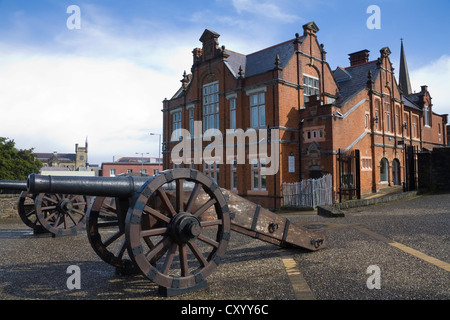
x: 65, y: 206
x: 184, y: 227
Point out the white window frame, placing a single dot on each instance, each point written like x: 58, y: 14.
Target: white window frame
x: 311, y: 86
x: 212, y: 170
x: 176, y: 122
x: 257, y: 98
x: 233, y: 114
x: 190, y: 110
x: 426, y: 111
x: 258, y: 110
x: 257, y: 176
x: 234, y: 175
x: 210, y: 104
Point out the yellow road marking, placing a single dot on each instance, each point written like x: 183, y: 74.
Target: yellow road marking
x: 415, y: 197
x: 301, y: 288
x: 441, y: 264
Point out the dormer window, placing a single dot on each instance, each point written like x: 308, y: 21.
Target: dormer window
x: 310, y: 86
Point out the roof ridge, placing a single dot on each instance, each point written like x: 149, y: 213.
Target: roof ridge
x: 242, y: 54
x: 361, y: 64
x: 275, y: 45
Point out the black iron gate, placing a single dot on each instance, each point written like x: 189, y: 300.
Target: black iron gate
x: 410, y: 168
x: 349, y: 175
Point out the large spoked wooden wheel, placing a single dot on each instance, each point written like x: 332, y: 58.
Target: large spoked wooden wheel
x: 61, y: 214
x: 106, y: 233
x: 26, y: 209
x: 191, y: 233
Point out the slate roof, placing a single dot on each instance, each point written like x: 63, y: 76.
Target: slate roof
x: 234, y: 61
x: 137, y: 160
x: 69, y: 157
x: 412, y: 101
x: 352, y: 80
x: 260, y: 61
x: 264, y: 60
x: 54, y: 169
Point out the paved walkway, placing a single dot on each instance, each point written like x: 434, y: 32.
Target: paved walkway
x: 407, y: 240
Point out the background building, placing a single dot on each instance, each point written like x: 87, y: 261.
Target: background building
x: 132, y: 165
x: 355, y: 123
x: 61, y: 163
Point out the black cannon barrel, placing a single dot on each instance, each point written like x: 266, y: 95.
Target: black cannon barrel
x: 18, y: 185
x: 124, y: 186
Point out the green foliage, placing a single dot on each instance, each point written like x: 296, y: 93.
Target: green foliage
x: 16, y: 164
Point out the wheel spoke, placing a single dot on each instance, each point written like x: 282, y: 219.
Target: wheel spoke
x: 156, y: 214
x: 172, y: 218
x: 166, y: 201
x: 153, y: 232
x: 108, y: 209
x: 169, y: 258
x: 57, y: 221
x: 48, y: 208
x: 183, y: 260
x: 80, y: 203
x: 197, y: 253
x: 113, y: 238
x: 50, y: 199
x: 122, y: 249
x: 148, y: 242
x: 65, y: 221
x: 49, y: 215
x: 34, y: 222
x: 78, y: 211
x: 70, y: 215
x: 30, y: 213
x: 193, y: 197
x: 204, y: 207
x: 179, y: 195
x: 208, y: 240
x: 158, y: 248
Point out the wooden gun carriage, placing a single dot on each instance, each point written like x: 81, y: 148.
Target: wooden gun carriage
x: 173, y: 227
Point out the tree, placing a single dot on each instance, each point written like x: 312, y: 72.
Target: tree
x: 16, y: 164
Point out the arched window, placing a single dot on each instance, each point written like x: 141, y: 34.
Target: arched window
x: 366, y: 121
x: 396, y: 172
x: 384, y: 167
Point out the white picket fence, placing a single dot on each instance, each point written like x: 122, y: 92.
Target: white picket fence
x: 308, y: 193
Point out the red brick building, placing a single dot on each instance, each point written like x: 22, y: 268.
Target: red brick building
x: 131, y: 165
x: 318, y: 113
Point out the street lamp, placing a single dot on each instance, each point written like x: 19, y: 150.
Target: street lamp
x: 142, y: 160
x: 159, y: 150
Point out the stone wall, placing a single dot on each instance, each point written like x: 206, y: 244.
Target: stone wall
x: 8, y: 205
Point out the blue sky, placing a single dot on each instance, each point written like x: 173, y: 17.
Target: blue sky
x: 106, y: 81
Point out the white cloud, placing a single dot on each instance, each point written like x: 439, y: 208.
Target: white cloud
x: 50, y: 103
x: 266, y: 9
x: 436, y: 75
x: 105, y: 81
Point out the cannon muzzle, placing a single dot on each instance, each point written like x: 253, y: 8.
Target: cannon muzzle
x: 13, y: 185
x: 125, y: 186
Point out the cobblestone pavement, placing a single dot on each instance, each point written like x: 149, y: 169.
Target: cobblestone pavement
x: 398, y: 238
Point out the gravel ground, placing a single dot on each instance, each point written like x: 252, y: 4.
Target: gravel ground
x: 34, y: 267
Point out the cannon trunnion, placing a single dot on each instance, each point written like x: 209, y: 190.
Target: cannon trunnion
x: 174, y: 227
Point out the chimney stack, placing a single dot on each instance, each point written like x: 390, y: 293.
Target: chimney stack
x: 360, y: 57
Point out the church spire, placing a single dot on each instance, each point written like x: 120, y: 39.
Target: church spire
x: 404, y: 81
